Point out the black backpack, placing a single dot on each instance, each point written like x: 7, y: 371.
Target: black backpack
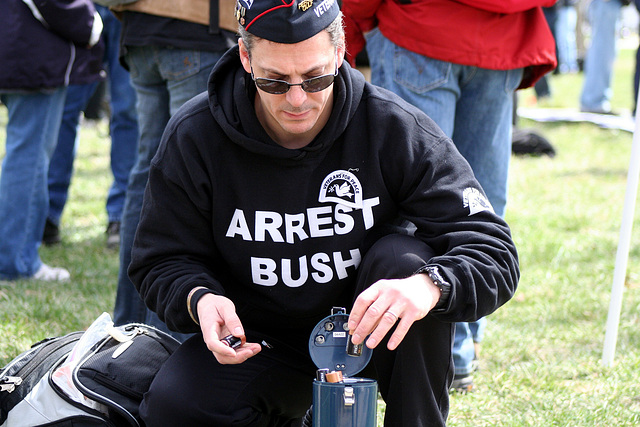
x: 92, y: 378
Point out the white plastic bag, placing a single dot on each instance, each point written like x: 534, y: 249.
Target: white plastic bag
x: 62, y: 376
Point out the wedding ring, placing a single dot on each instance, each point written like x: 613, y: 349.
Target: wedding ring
x: 393, y: 314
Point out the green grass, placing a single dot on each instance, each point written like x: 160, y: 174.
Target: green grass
x: 541, y: 357
x: 31, y: 310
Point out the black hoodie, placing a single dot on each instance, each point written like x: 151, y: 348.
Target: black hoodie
x: 281, y: 231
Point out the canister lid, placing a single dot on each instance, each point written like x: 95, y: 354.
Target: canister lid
x: 328, y: 345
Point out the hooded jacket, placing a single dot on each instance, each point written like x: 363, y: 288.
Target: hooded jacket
x: 281, y: 231
x: 490, y: 34
x: 46, y: 44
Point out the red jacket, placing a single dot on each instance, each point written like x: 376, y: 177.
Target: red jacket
x: 491, y: 34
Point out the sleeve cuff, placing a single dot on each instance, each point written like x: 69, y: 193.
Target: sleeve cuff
x: 192, y: 301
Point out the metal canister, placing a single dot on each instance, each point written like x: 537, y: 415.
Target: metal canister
x: 339, y: 398
x: 350, y: 403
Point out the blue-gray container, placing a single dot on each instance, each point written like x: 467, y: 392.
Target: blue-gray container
x: 352, y: 402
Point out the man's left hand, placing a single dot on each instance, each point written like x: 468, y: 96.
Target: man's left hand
x: 387, y: 302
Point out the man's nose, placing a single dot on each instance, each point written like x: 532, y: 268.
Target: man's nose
x: 296, y: 96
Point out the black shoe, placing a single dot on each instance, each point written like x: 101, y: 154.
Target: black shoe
x: 462, y: 384
x: 51, y: 234
x: 113, y: 235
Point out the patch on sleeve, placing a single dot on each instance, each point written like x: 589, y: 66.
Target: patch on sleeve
x: 475, y: 201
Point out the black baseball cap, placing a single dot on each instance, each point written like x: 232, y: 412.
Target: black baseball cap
x: 286, y: 21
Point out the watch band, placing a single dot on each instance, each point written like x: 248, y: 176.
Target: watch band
x: 445, y: 287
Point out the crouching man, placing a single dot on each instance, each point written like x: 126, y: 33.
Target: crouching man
x: 275, y: 196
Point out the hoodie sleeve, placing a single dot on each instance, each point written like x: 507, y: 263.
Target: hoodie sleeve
x: 478, y: 256
x: 436, y: 190
x: 77, y: 20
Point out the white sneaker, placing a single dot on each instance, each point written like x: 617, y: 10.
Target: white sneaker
x: 51, y: 274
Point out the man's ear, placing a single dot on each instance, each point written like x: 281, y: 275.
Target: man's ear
x: 341, y: 52
x: 244, y: 56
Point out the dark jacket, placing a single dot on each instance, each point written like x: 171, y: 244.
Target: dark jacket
x: 281, y: 231
x: 46, y: 44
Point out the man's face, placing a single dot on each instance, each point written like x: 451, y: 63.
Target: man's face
x: 294, y: 118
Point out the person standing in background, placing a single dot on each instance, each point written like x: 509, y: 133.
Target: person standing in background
x: 430, y: 54
x: 601, y: 55
x: 565, y: 34
x: 45, y: 45
x: 170, y: 49
x: 123, y: 127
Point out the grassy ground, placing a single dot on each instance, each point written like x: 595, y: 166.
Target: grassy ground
x: 31, y: 310
x: 541, y: 358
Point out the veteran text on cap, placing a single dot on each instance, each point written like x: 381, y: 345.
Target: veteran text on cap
x: 284, y: 21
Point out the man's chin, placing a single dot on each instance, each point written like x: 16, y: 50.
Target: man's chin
x: 297, y: 126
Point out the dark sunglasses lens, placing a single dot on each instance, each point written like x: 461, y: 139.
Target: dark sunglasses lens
x: 277, y: 87
x: 272, y: 86
x: 317, y: 84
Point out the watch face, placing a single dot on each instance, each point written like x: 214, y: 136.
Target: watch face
x: 435, y: 276
x: 443, y: 285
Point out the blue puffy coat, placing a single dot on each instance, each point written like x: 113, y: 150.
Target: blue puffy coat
x: 49, y: 43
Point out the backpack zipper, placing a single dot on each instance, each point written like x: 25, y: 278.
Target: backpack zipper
x: 9, y: 384
x: 42, y: 351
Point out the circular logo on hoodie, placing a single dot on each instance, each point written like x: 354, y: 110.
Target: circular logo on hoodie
x: 341, y: 187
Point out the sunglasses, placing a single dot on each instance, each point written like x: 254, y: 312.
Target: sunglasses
x: 278, y: 87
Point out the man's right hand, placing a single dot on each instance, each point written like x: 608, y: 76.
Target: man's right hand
x: 218, y: 318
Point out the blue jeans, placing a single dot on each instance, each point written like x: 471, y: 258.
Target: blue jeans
x: 34, y: 119
x: 466, y: 334
x: 474, y: 107
x: 566, y: 39
x: 123, y: 129
x: 598, y: 65
x: 164, y: 79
